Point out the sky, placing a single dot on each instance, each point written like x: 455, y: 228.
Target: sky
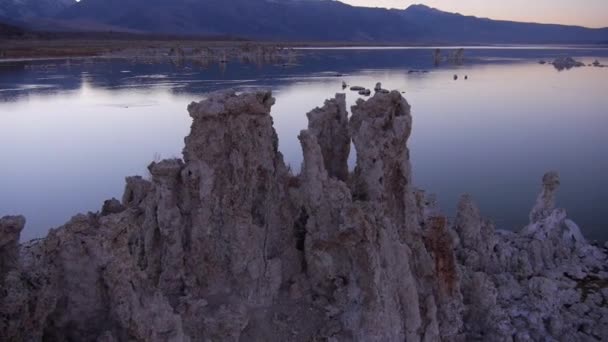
x: 590, y: 13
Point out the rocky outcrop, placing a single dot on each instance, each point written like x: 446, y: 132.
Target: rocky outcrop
x: 542, y: 283
x: 10, y: 229
x: 227, y: 244
x: 11, y: 299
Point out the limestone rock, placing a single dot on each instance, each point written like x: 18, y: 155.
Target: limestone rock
x: 111, y: 206
x: 10, y: 228
x: 330, y: 126
x: 537, y: 275
x: 380, y: 128
x: 378, y: 89
x: 226, y: 244
x: 546, y: 199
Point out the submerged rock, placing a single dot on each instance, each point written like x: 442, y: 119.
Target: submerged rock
x: 566, y: 63
x: 365, y: 92
x: 226, y: 244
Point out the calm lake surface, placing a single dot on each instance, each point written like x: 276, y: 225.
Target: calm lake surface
x: 72, y: 130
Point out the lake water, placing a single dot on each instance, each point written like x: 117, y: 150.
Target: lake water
x: 70, y: 131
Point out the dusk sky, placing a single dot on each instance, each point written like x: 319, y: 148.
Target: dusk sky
x: 592, y: 13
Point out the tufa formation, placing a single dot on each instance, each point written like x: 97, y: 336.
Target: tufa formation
x: 227, y: 244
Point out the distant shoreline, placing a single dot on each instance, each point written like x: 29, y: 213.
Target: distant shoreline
x: 78, y: 46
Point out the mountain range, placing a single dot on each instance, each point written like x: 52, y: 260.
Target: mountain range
x: 294, y: 20
x: 23, y: 10
x: 10, y: 31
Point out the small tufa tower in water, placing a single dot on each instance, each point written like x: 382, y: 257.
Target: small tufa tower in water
x: 437, y: 57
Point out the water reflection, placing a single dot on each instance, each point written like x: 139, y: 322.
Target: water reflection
x: 70, y: 132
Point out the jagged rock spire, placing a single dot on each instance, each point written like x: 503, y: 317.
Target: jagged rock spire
x: 545, y: 203
x: 329, y: 124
